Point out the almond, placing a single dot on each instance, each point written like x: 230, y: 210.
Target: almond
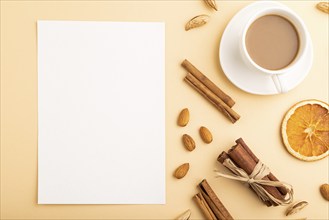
x: 205, y: 135
x: 324, y: 189
x: 183, y: 117
x: 188, y: 142
x: 182, y: 170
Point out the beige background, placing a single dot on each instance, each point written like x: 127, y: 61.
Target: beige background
x: 259, y: 125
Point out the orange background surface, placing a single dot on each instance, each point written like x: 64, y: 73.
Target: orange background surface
x: 259, y: 124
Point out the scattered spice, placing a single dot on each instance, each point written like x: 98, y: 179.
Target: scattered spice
x: 323, y: 6
x: 324, y: 189
x: 210, y: 91
x: 197, y: 21
x: 182, y: 170
x: 242, y: 156
x: 205, y: 134
x: 185, y: 216
x: 210, y: 204
x: 183, y: 117
x: 296, y: 207
x: 188, y: 142
x: 212, y: 4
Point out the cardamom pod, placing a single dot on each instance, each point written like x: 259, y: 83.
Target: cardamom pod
x: 197, y: 21
x: 296, y: 207
x: 211, y: 3
x: 323, y: 6
x: 185, y: 216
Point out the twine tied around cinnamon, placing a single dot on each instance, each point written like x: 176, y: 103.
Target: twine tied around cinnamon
x: 256, y: 183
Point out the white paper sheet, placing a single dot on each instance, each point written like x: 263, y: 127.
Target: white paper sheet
x: 101, y: 112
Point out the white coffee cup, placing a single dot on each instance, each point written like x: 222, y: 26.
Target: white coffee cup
x: 303, y: 42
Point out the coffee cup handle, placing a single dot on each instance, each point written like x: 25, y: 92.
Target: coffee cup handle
x: 279, y: 84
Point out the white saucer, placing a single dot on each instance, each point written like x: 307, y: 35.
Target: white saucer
x: 239, y: 73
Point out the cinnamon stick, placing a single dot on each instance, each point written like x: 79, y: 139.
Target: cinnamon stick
x: 241, y: 157
x: 212, y: 206
x: 220, y: 211
x: 282, y: 190
x: 222, y: 157
x: 216, y: 101
x: 208, y: 83
x: 211, y: 101
x: 201, y: 202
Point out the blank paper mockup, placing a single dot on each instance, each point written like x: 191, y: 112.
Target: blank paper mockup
x: 101, y: 112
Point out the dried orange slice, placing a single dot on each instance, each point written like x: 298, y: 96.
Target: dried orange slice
x: 305, y: 130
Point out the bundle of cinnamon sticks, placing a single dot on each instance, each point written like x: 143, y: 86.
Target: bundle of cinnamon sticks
x: 210, y: 91
x: 245, y: 159
x: 210, y: 205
